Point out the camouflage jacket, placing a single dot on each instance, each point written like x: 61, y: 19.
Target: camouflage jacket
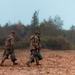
x: 34, y: 42
x: 9, y: 41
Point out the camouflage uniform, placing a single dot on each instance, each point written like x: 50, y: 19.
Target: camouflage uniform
x: 35, y: 43
x: 34, y: 48
x: 9, y: 49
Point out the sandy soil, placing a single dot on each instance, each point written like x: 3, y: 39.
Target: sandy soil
x: 53, y: 63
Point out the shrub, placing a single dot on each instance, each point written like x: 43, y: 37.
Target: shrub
x: 57, y: 43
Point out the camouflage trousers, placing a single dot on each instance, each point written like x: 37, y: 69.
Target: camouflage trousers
x: 33, y: 56
x: 7, y: 53
x: 38, y: 55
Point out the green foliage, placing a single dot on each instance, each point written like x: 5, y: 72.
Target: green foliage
x: 2, y: 41
x: 56, y: 43
x: 34, y: 22
x: 53, y: 36
x: 58, y: 22
x: 23, y: 43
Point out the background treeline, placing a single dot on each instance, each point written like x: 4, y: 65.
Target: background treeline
x: 53, y: 36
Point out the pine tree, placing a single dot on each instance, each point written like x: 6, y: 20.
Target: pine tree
x: 34, y: 22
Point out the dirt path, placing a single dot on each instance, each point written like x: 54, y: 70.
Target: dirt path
x: 53, y: 63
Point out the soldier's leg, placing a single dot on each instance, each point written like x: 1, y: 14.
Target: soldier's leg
x: 13, y: 57
x: 36, y: 58
x: 4, y: 58
x: 7, y: 54
x: 31, y: 59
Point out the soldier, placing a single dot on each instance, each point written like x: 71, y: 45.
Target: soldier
x: 34, y: 48
x: 9, y: 49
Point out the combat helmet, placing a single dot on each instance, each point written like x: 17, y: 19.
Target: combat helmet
x: 37, y: 32
x: 13, y: 31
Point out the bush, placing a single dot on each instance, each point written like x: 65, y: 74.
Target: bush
x: 23, y: 43
x: 57, y: 43
x: 2, y: 41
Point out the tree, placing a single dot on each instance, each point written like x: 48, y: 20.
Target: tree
x: 34, y: 22
x: 7, y: 24
x: 71, y: 34
x: 58, y: 22
x: 72, y: 27
x: 0, y: 26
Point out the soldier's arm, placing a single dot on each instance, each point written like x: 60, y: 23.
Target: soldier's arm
x: 11, y: 41
x: 8, y: 40
x: 31, y: 37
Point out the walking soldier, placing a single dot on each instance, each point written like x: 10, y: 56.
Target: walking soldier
x: 9, y: 49
x: 34, y: 48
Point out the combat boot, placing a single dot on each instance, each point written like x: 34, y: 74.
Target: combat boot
x: 28, y: 63
x: 14, y: 63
